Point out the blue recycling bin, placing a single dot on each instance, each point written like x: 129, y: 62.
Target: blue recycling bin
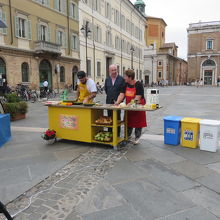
x: 172, y: 130
x: 5, y: 128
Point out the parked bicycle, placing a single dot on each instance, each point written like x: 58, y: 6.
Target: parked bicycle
x: 49, y: 94
x: 25, y: 93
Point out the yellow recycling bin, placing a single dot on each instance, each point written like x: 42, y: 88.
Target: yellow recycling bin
x: 190, y: 132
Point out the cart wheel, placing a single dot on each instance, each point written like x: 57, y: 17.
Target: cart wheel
x: 115, y: 148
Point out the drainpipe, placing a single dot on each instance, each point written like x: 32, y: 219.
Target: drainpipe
x: 12, y: 41
x: 131, y: 40
x: 68, y: 25
x: 121, y: 42
x: 93, y: 42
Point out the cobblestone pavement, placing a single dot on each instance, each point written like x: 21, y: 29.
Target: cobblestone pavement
x: 152, y: 181
x: 56, y: 196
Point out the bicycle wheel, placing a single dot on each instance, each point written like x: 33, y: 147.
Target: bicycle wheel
x: 53, y: 94
x: 33, y: 97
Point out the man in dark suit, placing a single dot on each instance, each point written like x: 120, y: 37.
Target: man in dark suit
x: 113, y: 85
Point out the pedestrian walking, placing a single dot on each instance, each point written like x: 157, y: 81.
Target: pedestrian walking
x: 201, y: 82
x: 45, y: 85
x: 218, y: 82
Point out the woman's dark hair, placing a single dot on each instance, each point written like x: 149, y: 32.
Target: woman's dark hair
x: 130, y: 73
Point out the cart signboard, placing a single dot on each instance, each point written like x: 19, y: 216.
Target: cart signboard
x: 69, y: 121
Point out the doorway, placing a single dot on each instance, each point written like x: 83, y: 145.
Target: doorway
x: 208, y: 75
x: 108, y: 63
x: 146, y: 80
x: 45, y: 71
x: 74, y: 77
x: 3, y: 79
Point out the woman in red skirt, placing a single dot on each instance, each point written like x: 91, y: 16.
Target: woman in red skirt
x: 133, y: 90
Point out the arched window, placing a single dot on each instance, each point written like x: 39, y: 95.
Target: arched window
x: 62, y: 74
x: 25, y: 72
x: 208, y: 63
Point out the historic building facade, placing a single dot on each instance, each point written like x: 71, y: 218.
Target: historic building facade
x: 161, y: 64
x: 41, y: 42
x: 204, y: 52
x: 115, y: 35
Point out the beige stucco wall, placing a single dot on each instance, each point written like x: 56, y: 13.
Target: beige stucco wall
x: 15, y: 51
x: 102, y: 51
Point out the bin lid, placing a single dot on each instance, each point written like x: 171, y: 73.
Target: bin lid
x: 191, y: 120
x: 210, y: 122
x: 152, y: 91
x: 173, y: 118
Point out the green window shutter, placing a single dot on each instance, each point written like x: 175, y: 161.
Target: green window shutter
x: 100, y: 35
x: 26, y: 29
x: 29, y: 30
x: 99, y: 6
x: 64, y: 6
x: 70, y: 10
x: 64, y: 43
x: 56, y: 7
x: 77, y: 43
x: 47, y: 3
x: 1, y: 30
x: 4, y: 30
x: 16, y: 26
x: 57, y: 37
x: 95, y: 32
x: 71, y: 42
x: 38, y: 32
x: 48, y: 34
x: 76, y: 12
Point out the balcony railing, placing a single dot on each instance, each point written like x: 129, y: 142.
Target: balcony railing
x: 44, y: 46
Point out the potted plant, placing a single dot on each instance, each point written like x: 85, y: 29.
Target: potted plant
x: 49, y: 136
x: 15, y: 107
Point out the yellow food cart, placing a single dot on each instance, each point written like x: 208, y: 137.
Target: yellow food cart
x: 77, y: 122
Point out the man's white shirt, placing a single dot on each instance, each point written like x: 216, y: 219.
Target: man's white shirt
x: 45, y: 84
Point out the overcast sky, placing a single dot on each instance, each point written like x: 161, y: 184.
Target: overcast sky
x: 179, y: 14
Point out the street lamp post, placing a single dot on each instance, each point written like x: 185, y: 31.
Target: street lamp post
x: 86, y: 32
x: 152, y: 72
x: 132, y: 53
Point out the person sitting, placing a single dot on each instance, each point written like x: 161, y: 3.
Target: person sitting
x: 86, y: 89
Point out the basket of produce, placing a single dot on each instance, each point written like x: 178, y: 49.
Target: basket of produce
x: 103, y: 136
x: 104, y: 120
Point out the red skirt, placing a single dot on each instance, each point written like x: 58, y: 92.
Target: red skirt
x: 137, y: 119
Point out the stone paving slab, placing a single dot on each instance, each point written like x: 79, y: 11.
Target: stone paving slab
x: 102, y: 197
x: 196, y: 155
x: 164, y: 156
x: 195, y: 213
x: 214, y: 166
x: 115, y: 213
x: 191, y: 169
x: 125, y: 171
x: 137, y: 154
x: 205, y: 198
x: 162, y: 176
x: 152, y: 201
x: 211, y: 181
